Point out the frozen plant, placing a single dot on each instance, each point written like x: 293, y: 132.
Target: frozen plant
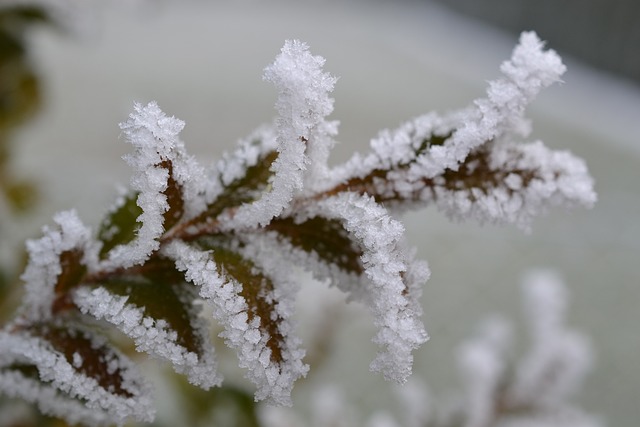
x: 533, y: 391
x: 226, y: 236
x: 536, y: 389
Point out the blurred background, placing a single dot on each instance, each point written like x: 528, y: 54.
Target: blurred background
x: 202, y: 62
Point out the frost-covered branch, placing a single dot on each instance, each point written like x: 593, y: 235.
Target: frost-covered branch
x: 225, y: 237
x: 534, y: 390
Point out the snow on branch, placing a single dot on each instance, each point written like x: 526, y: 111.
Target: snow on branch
x: 544, y: 379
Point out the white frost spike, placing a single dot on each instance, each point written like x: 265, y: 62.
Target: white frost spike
x: 154, y: 137
x: 529, y: 70
x: 303, y: 104
x: 304, y: 137
x: 151, y: 336
x: 273, y: 382
x: 393, y: 302
x: 44, y: 267
x: 60, y: 383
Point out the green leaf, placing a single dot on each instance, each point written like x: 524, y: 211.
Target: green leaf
x: 120, y: 226
x: 226, y: 405
x: 325, y: 237
x: 246, y: 189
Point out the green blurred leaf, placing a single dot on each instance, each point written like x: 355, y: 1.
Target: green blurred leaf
x: 325, y: 237
x: 221, y: 406
x: 120, y: 226
x: 21, y: 195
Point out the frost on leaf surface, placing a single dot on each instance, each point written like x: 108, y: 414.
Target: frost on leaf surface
x: 393, y: 286
x: 255, y: 324
x: 158, y: 313
x: 61, y: 367
x: 56, y: 263
x: 167, y: 181
x: 470, y: 163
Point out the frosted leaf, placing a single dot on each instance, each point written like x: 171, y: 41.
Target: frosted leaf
x: 91, y: 393
x: 45, y: 266
x: 513, y: 183
x: 243, y: 175
x: 303, y: 104
x: 387, y: 264
x: 233, y: 165
x: 159, y: 162
x: 414, y: 163
x: 529, y: 70
x: 154, y: 336
x: 272, y: 244
x: 304, y: 138
x: 49, y: 400
x: 247, y: 334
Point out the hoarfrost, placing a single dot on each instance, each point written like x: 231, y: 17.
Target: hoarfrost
x: 387, y: 263
x: 154, y: 137
x: 304, y: 138
x: 273, y: 381
x: 64, y: 391
x: 152, y: 336
x: 44, y: 267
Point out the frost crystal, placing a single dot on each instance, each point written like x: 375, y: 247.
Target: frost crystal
x: 469, y: 162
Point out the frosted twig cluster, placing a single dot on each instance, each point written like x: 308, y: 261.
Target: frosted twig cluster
x: 226, y: 236
x: 533, y: 391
